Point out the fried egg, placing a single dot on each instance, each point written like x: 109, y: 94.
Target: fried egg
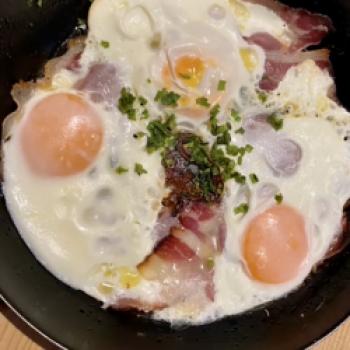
x: 87, y: 193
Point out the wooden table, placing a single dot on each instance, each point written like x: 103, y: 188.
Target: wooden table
x: 15, y: 335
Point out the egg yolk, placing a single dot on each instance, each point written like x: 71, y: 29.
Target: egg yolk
x: 275, y: 245
x: 61, y: 136
x: 190, y: 70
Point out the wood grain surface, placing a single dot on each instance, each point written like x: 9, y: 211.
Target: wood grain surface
x: 16, y: 335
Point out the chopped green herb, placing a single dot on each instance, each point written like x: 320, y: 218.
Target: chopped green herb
x: 143, y: 102
x: 167, y: 98
x: 126, y: 103
x: 121, y: 170
x: 253, y: 179
x: 242, y: 209
x: 279, y: 198
x: 240, y: 131
x: 224, y: 138
x: 240, y: 160
x: 145, y: 114
x: 232, y: 150
x: 149, y: 81
x: 275, y: 122
x: 249, y: 148
x: 139, y: 169
x: 105, y: 44
x: 239, y: 178
x: 160, y: 133
x: 215, y: 111
x: 222, y: 85
x: 262, y: 96
x: 235, y: 116
x: 203, y: 101
x: 210, y: 263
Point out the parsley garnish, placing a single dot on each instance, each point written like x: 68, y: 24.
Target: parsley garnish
x: 222, y: 85
x: 126, y: 103
x: 232, y: 150
x: 167, y: 98
x: 235, y: 116
x: 240, y: 131
x: 203, y: 101
x: 253, y: 179
x: 275, y: 122
x: 139, y: 169
x: 160, y: 133
x: 224, y: 138
x: 143, y: 102
x: 262, y: 96
x: 279, y: 198
x: 121, y: 170
x: 131, y: 105
x: 210, y: 263
x: 239, y: 178
x: 249, y: 148
x: 105, y: 44
x: 242, y: 209
x: 215, y: 111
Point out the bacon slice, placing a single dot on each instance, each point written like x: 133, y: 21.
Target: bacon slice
x: 182, y: 263
x: 306, y: 29
x: 101, y: 82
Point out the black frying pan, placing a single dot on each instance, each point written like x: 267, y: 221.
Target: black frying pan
x: 28, y: 37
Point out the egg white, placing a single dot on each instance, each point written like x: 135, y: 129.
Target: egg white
x: 82, y: 225
x: 77, y: 223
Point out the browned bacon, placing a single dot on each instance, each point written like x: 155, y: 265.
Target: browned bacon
x: 306, y: 29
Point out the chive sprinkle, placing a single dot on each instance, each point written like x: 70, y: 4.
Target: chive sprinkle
x: 279, y: 198
x: 105, y: 44
x: 139, y: 169
x: 167, y: 98
x: 203, y: 101
x: 242, y: 209
x: 121, y: 170
x: 222, y: 85
x: 253, y: 178
x: 275, y: 122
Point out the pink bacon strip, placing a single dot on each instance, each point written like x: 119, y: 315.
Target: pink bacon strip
x: 182, y: 262
x: 306, y: 29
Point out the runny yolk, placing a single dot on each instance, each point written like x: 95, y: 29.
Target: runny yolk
x: 190, y: 70
x: 61, y: 136
x: 275, y: 245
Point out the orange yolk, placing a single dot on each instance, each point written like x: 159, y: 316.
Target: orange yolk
x: 275, y: 245
x: 190, y: 70
x: 61, y: 136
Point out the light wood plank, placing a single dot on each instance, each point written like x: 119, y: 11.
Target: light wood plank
x: 15, y: 335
